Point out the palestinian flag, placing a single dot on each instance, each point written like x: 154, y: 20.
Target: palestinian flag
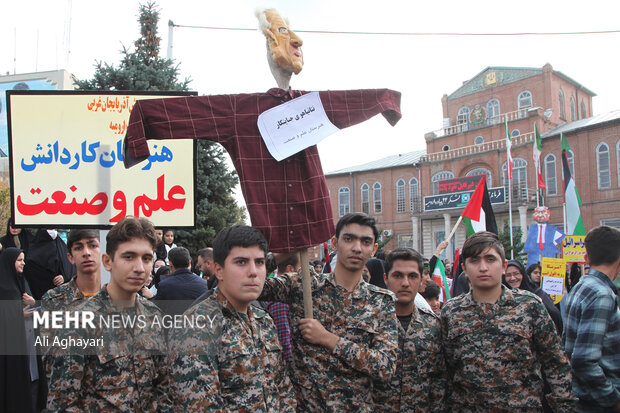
x: 574, y: 223
x: 445, y: 283
x: 537, y: 151
x: 478, y: 214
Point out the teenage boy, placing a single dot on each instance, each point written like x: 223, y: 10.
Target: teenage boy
x: 233, y: 360
x: 128, y: 370
x: 420, y: 379
x: 592, y: 325
x: 352, y: 341
x: 499, y: 343
x: 84, y: 253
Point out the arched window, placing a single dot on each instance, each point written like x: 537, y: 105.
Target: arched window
x: 572, y: 109
x: 479, y: 140
x: 525, y: 99
x: 550, y: 175
x: 571, y: 162
x: 365, y: 195
x: 515, y: 133
x: 519, y: 178
x: 344, y: 200
x: 493, y: 111
x: 602, y: 165
x: 376, y: 197
x: 400, y: 196
x: 461, y: 118
x: 481, y: 171
x: 414, y: 195
x: 583, y: 110
x: 562, y: 105
x: 439, y: 176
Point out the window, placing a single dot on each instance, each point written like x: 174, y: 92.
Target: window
x: 445, y: 148
x: 439, y: 176
x: 602, y: 166
x: 493, y: 111
x: 515, y: 133
x: 583, y: 110
x: 461, y: 118
x: 400, y: 196
x: 365, y: 192
x: 414, y: 195
x: 478, y: 140
x: 524, y: 102
x: 572, y: 109
x: 376, y: 197
x: 562, y: 108
x: 481, y: 171
x: 611, y: 222
x: 571, y: 162
x: 550, y: 176
x: 344, y: 201
x: 519, y: 178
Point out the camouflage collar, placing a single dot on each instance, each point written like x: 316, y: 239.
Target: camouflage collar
x: 507, y: 297
x: 74, y: 286
x: 223, y: 301
x: 104, y: 300
x: 359, y: 291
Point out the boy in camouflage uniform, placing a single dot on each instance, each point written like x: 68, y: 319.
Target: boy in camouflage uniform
x: 420, y: 379
x: 352, y: 341
x: 498, y: 342
x: 130, y: 372
x: 84, y: 253
x: 234, y: 362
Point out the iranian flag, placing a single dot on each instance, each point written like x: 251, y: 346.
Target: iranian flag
x: 574, y: 223
x: 508, y: 150
x: 439, y: 276
x: 478, y: 214
x: 537, y: 151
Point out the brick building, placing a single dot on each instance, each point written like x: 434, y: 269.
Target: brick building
x: 396, y: 190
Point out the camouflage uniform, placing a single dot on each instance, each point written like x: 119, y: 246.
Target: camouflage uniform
x: 497, y: 353
x: 130, y: 373
x: 365, y: 321
x: 419, y: 383
x: 62, y: 297
x: 235, y: 364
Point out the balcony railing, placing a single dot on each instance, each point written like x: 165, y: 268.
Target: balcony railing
x: 474, y: 149
x: 493, y: 120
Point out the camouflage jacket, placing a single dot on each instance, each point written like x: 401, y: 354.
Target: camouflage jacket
x: 365, y: 321
x: 62, y: 297
x: 419, y: 383
x: 496, y: 355
x: 233, y: 363
x: 128, y: 373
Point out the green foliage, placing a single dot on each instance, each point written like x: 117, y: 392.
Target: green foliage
x: 5, y: 204
x: 517, y: 244
x: 143, y: 69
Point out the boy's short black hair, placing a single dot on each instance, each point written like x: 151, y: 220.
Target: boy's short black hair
x: 603, y: 245
x: 403, y: 253
x: 127, y: 229
x: 357, y: 218
x: 432, y: 290
x: 236, y: 236
x: 80, y: 233
x: 475, y: 244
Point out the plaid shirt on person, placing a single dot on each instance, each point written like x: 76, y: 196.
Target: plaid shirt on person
x: 592, y: 341
x: 288, y: 201
x: 279, y: 314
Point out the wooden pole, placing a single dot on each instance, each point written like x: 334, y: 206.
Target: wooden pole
x: 306, y: 281
x: 454, y: 228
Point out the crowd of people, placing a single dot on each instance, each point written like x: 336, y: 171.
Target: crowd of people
x: 382, y: 337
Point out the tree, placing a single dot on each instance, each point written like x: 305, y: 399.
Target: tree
x: 143, y: 69
x: 517, y: 244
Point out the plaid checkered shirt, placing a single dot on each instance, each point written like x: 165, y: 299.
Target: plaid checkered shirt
x: 288, y: 201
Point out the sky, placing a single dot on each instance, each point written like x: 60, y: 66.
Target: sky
x: 423, y: 68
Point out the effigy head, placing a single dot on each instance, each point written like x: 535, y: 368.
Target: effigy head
x: 284, y: 45
x: 541, y: 214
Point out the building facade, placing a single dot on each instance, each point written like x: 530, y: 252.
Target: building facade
x: 398, y: 190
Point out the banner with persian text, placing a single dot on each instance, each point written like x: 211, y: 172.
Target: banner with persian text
x: 66, y: 163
